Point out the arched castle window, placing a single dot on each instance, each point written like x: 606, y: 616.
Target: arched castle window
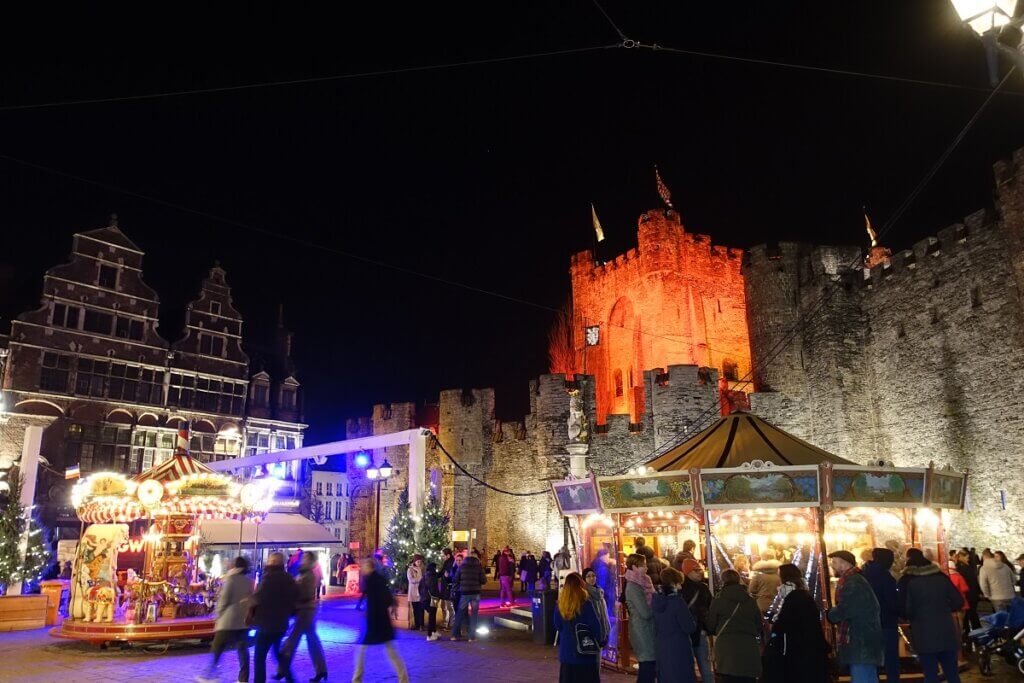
x: 730, y: 370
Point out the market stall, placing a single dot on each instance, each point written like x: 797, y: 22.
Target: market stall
x: 747, y: 492
x: 135, y: 575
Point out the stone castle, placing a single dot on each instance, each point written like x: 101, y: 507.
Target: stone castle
x: 918, y: 358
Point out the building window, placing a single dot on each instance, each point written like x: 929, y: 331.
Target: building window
x: 337, y: 533
x: 260, y: 395
x: 85, y: 453
x: 95, y: 321
x: 91, y: 379
x: 53, y: 375
x: 330, y: 489
x: 129, y: 328
x: 215, y: 307
x: 287, y: 399
x: 337, y: 509
x: 66, y: 316
x: 107, y: 277
x: 210, y: 345
x: 319, y: 488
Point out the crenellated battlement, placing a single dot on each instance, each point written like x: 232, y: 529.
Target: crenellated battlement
x: 1008, y: 169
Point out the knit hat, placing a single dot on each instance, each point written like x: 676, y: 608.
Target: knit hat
x: 884, y: 557
x: 916, y: 558
x: 691, y: 565
x: 845, y: 555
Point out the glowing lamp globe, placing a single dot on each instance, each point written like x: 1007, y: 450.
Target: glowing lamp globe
x: 362, y: 460
x: 385, y: 469
x: 251, y: 494
x: 984, y: 15
x: 372, y: 472
x: 150, y: 492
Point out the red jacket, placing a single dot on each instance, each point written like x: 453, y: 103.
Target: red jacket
x: 961, y: 585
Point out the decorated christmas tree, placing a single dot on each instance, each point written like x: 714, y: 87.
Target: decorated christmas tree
x: 12, y: 531
x: 400, y: 543
x: 435, y: 531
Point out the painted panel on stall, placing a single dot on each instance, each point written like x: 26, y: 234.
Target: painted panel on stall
x: 864, y: 485
x: 641, y: 492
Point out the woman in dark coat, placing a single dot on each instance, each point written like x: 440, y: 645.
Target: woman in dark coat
x: 736, y: 622
x: 798, y: 651
x: 966, y: 569
x: 673, y: 626
x: 930, y: 599
x: 378, y: 629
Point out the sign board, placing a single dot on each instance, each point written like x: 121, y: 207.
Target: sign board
x: 947, y: 489
x: 353, y: 545
x: 764, y: 486
x: 576, y: 496
x: 633, y: 492
x: 855, y: 485
x: 460, y: 536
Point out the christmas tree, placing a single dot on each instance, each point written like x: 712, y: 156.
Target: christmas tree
x: 435, y: 531
x: 400, y: 543
x: 12, y: 532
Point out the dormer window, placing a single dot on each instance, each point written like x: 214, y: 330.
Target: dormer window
x: 287, y: 398
x: 260, y: 395
x: 107, y: 277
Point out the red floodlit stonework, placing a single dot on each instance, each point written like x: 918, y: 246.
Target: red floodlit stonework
x: 674, y: 300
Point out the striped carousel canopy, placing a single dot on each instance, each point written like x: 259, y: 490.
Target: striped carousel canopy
x: 179, y: 466
x: 740, y: 438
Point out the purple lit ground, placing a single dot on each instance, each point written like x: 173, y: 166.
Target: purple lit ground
x: 506, y: 656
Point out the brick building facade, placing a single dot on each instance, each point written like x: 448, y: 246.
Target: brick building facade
x: 91, y: 366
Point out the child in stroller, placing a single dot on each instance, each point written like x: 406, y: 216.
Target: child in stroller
x: 1001, y: 636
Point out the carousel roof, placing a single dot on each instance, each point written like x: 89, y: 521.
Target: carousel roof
x: 179, y: 466
x: 739, y: 438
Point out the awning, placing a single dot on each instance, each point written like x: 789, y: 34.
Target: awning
x: 740, y: 438
x: 282, y: 528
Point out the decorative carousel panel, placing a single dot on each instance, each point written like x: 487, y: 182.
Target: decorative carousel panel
x: 576, y: 496
x: 760, y: 485
x: 946, y: 489
x: 854, y: 486
x: 632, y: 492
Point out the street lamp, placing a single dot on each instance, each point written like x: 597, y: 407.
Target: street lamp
x: 378, y: 475
x: 999, y: 29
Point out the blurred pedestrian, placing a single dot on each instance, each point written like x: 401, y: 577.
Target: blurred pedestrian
x: 305, y: 620
x: 274, y: 603
x: 230, y: 629
x: 378, y: 629
x: 544, y: 567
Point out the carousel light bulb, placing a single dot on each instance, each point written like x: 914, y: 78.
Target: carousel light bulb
x: 650, y: 515
x: 787, y: 517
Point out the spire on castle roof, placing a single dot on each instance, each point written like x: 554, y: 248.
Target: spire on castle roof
x: 663, y: 190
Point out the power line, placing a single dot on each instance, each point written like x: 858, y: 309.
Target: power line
x: 481, y: 481
x: 612, y: 22
x: 306, y: 81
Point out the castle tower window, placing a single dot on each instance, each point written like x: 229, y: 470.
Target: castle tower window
x: 53, y: 375
x: 107, y: 277
x: 730, y: 371
x: 618, y: 383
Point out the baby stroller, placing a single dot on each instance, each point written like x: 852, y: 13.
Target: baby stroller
x: 1001, y: 637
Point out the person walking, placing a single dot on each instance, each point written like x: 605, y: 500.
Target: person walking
x: 544, y: 567
x: 673, y: 627
x: 600, y: 604
x: 929, y: 603
x: 797, y: 651
x: 445, y: 579
x: 274, y: 603
x: 414, y: 574
x: 996, y: 581
x: 878, y: 573
x: 531, y: 570
x: 698, y: 598
x: 764, y: 584
x: 506, y: 573
x: 735, y: 620
x: 638, y: 596
x: 378, y: 629
x: 575, y: 618
x: 470, y: 578
x: 430, y: 590
x: 230, y: 628
x: 456, y: 592
x: 305, y: 621
x: 859, y: 634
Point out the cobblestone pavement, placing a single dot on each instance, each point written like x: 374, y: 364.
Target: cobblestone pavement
x: 506, y: 656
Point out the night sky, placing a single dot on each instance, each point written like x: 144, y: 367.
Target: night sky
x: 481, y: 175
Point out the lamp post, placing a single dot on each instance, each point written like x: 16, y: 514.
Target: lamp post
x: 999, y: 29
x: 378, y: 475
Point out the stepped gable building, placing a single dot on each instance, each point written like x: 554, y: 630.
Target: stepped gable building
x: 91, y: 366
x: 674, y: 300
x: 916, y: 358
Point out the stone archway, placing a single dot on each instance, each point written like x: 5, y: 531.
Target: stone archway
x: 623, y: 378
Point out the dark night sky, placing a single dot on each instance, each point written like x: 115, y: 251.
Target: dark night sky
x: 480, y: 174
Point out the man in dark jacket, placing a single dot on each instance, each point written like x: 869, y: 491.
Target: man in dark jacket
x: 305, y: 619
x: 876, y: 571
x: 378, y: 629
x: 275, y: 600
x: 698, y: 598
x: 929, y: 601
x: 859, y: 633
x: 470, y: 579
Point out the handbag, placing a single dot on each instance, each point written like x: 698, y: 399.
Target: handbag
x: 586, y: 643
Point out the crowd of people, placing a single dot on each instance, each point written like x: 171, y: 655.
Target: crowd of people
x: 766, y: 625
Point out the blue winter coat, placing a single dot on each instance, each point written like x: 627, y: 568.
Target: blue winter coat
x: 884, y: 586
x: 567, y: 653
x: 673, y: 625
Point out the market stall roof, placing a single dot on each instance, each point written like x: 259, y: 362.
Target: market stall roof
x: 282, y: 528
x: 739, y: 438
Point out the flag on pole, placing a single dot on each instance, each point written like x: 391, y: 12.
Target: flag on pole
x: 597, y: 224
x: 871, y: 231
x: 663, y: 192
x: 72, y: 472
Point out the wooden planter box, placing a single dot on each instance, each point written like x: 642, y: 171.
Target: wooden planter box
x: 401, y: 617
x: 22, y: 612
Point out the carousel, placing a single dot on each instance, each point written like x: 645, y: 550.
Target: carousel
x: 746, y: 492
x: 138, y: 573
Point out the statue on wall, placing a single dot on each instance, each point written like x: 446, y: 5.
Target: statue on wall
x: 578, y: 431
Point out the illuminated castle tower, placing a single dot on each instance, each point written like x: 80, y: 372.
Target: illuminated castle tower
x: 674, y: 300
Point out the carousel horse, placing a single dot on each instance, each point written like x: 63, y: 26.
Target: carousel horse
x: 100, y: 602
